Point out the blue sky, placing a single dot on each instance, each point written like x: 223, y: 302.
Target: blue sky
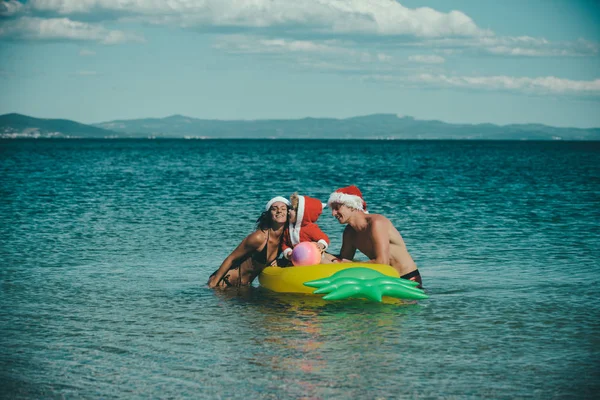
x: 467, y: 61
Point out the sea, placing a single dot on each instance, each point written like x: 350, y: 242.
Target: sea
x: 106, y: 247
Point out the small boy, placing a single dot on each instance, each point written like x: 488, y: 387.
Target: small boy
x: 304, y: 212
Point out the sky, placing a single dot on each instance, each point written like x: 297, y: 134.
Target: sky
x: 459, y: 61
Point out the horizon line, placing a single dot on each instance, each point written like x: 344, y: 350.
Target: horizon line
x: 398, y: 115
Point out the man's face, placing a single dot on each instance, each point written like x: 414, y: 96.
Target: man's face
x: 279, y: 212
x: 341, y: 212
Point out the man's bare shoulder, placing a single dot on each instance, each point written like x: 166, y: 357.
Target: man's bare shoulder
x: 377, y: 220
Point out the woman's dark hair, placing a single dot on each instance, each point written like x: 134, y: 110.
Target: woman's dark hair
x: 265, y: 220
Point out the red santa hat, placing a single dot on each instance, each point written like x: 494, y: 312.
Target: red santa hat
x: 309, y: 210
x: 349, y: 196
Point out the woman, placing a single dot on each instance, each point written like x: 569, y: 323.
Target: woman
x: 258, y: 250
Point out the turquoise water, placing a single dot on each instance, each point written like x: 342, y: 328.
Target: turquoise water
x: 105, y: 248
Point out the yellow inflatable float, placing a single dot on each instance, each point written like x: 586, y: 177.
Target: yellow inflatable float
x: 340, y: 281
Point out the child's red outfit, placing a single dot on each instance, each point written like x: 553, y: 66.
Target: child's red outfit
x: 305, y: 229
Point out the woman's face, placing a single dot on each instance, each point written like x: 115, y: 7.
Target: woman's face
x: 279, y: 211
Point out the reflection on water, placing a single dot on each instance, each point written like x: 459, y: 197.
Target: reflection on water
x: 318, y: 349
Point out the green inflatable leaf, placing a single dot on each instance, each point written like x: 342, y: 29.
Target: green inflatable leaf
x: 365, y: 283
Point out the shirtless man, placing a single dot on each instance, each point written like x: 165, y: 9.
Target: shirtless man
x: 372, y: 234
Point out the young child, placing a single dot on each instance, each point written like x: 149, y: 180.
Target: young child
x: 304, y: 212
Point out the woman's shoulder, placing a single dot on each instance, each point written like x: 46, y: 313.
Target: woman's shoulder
x: 257, y: 237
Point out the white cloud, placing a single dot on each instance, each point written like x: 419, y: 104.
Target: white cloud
x: 259, y: 44
x: 513, y: 46
x: 293, y: 46
x: 62, y: 29
x: 427, y: 59
x: 324, y: 55
x: 86, y: 73
x: 330, y: 66
x: 326, y: 49
x: 10, y: 7
x: 549, y: 84
x: 380, y: 17
x: 535, y: 47
x: 86, y: 52
x: 446, y: 33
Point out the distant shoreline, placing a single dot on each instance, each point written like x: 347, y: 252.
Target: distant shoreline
x: 369, y: 127
x: 166, y: 139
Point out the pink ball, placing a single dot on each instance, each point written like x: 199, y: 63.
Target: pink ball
x: 306, y: 253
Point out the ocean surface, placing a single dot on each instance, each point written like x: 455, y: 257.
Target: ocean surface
x: 106, y: 246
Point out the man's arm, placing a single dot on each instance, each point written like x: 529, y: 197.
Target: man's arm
x: 348, y: 247
x: 249, y: 244
x: 380, y: 240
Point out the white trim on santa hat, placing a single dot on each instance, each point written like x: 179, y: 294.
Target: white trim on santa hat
x: 295, y: 228
x: 275, y: 200
x: 349, y: 200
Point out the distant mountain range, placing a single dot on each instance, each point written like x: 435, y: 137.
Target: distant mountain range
x: 376, y: 126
